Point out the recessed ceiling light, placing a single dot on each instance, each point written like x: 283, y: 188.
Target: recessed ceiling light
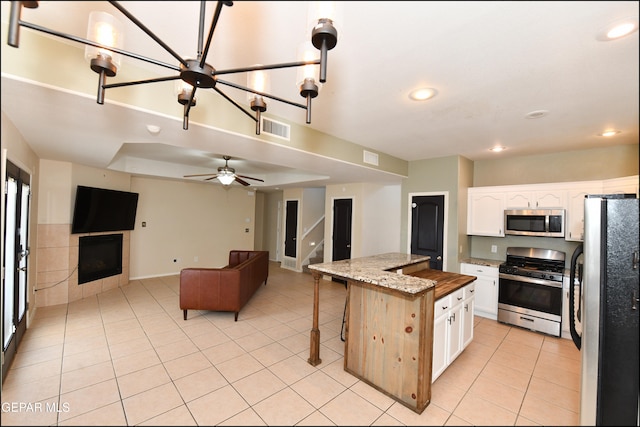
x: 423, y: 94
x: 620, y: 28
x: 608, y: 133
x: 536, y: 114
x: 497, y: 149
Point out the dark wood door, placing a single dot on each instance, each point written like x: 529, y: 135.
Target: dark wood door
x: 291, y: 228
x: 341, y: 245
x: 427, y: 228
x: 342, y: 229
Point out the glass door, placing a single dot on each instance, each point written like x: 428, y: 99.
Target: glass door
x: 15, y: 262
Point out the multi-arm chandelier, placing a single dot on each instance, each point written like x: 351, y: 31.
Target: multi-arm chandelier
x: 103, y: 49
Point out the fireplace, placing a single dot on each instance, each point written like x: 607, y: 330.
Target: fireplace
x: 99, y: 256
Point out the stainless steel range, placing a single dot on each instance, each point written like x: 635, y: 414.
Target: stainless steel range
x: 530, y: 289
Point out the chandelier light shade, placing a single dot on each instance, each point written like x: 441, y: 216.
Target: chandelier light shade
x: 104, y: 49
x: 258, y: 80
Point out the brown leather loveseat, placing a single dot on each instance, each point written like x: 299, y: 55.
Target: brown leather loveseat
x: 224, y: 289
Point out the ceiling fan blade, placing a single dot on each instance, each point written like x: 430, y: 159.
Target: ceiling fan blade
x: 241, y: 181
x: 200, y: 174
x: 248, y: 177
x: 213, y: 177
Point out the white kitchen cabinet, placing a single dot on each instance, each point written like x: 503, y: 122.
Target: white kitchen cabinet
x: 574, y: 218
x: 452, y: 328
x: 485, y: 214
x: 468, y: 303
x: 627, y: 184
x: 439, y: 360
x: 528, y: 197
x: 486, y: 289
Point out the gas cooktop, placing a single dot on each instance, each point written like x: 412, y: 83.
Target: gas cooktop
x: 538, y: 263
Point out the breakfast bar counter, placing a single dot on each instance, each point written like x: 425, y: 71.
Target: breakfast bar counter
x: 389, y: 321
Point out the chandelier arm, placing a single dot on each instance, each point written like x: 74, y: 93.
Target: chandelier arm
x: 150, y: 33
x: 266, y: 95
x: 203, y: 7
x: 234, y: 103
x: 267, y: 67
x: 98, y: 45
x: 187, y: 108
x: 308, y: 121
x: 137, y: 82
x: 323, y: 61
x: 214, y: 22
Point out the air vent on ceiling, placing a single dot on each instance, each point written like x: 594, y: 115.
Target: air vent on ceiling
x: 274, y: 128
x: 369, y: 157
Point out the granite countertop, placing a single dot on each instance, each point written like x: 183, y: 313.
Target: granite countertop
x: 483, y: 261
x: 379, y: 270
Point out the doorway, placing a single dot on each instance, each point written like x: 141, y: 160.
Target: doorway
x: 14, y: 263
x: 427, y: 228
x: 291, y: 228
x: 341, y: 238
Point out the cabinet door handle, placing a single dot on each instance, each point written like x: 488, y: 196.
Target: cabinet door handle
x: 466, y: 307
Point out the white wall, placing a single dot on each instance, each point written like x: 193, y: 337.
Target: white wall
x: 375, y: 218
x: 381, y: 219
x: 194, y: 223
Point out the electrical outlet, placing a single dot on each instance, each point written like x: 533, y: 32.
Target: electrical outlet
x: 494, y: 249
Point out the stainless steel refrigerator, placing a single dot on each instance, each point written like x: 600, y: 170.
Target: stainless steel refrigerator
x: 608, y: 310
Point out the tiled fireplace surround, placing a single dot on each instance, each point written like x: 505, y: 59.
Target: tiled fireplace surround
x: 57, y: 261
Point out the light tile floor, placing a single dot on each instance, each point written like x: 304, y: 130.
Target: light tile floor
x: 127, y: 357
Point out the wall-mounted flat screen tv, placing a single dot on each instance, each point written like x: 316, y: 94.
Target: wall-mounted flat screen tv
x: 100, y: 209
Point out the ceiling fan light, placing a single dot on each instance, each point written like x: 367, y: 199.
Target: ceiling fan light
x: 226, y: 178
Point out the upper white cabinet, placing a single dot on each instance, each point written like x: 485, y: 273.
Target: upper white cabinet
x: 627, y: 184
x: 485, y: 216
x: 486, y: 205
x: 574, y: 220
x: 527, y: 198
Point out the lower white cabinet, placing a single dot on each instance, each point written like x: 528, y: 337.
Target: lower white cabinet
x: 486, y: 289
x: 452, y: 327
x: 468, y: 311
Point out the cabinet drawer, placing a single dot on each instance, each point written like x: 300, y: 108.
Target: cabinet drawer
x: 469, y: 290
x: 441, y: 306
x: 457, y: 297
x: 474, y: 270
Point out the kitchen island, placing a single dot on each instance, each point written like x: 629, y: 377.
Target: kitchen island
x: 389, y: 321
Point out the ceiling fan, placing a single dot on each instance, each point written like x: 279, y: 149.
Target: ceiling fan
x: 226, y: 175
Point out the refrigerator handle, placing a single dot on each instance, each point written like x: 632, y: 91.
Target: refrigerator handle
x: 635, y: 260
x: 577, y: 339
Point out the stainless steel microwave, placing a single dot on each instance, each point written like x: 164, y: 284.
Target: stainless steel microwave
x: 534, y: 222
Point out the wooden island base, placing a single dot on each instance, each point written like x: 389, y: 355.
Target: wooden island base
x: 389, y: 340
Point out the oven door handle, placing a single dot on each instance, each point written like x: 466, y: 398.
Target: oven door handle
x: 526, y: 279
